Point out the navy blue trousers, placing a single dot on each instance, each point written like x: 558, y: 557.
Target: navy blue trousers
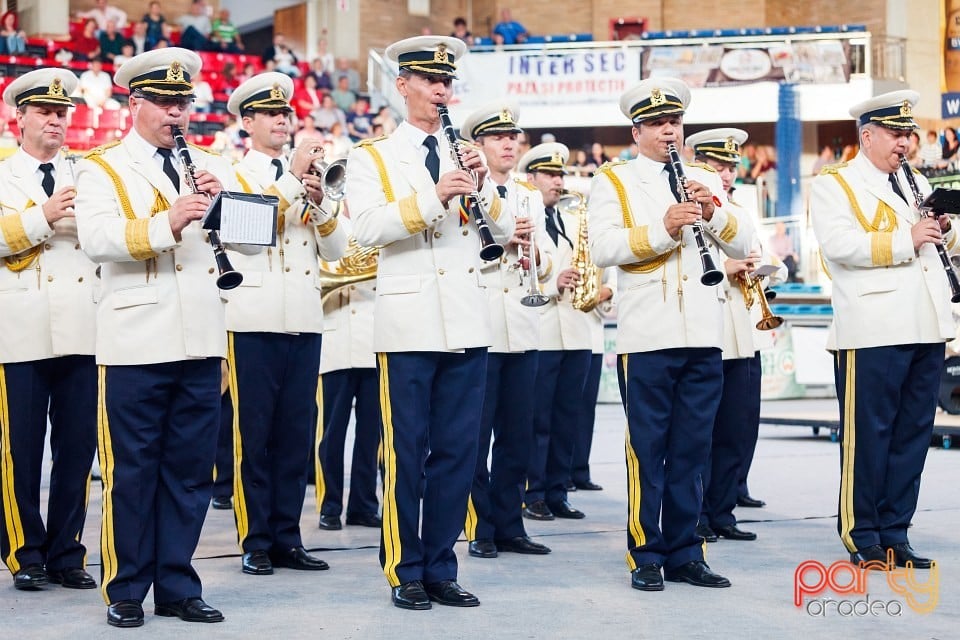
x: 340, y: 389
x: 158, y: 439
x: 580, y: 473
x: 670, y: 398
x: 752, y: 429
x: 223, y: 469
x: 431, y: 405
x: 67, y: 388
x: 888, y: 400
x: 273, y: 382
x: 496, y: 499
x: 734, y: 439
x: 559, y: 390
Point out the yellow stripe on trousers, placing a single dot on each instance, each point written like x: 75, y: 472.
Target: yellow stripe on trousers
x: 320, y: 484
x: 11, y: 510
x: 391, y: 522
x: 108, y: 549
x: 634, y: 490
x: 239, y: 499
x: 470, y: 526
x: 849, y: 450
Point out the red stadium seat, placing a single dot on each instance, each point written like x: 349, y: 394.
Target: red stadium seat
x: 82, y: 116
x: 112, y: 119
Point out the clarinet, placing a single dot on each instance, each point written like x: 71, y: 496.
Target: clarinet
x: 228, y: 278
x: 711, y: 275
x: 941, y: 251
x: 489, y: 249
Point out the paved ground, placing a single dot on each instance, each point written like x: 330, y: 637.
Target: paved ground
x: 581, y: 590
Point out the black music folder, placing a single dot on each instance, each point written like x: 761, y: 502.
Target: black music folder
x: 243, y: 218
x: 942, y: 201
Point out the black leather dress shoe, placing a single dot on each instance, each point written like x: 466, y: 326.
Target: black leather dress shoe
x: 297, y: 558
x: 731, y: 532
x: 411, y: 595
x: 256, y: 563
x: 30, y: 578
x: 125, y: 613
x: 873, y: 556
x: 570, y: 486
x: 564, y: 510
x: 589, y: 485
x: 189, y: 610
x: 904, y: 553
x: 537, y: 510
x: 72, y: 578
x: 522, y: 544
x: 647, y: 577
x: 747, y: 501
x: 697, y: 573
x: 330, y: 523
x: 705, y: 532
x: 482, y: 549
x: 371, y: 520
x: 448, y: 592
x: 222, y: 502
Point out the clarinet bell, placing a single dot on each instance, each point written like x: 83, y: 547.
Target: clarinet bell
x: 228, y: 278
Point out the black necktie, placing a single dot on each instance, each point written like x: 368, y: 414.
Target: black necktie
x: 674, y: 183
x: 433, y: 158
x: 47, y: 181
x: 279, y: 165
x: 502, y: 190
x: 892, y: 178
x: 169, y: 169
x: 553, y: 219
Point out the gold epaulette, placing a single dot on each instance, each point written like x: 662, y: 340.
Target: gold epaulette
x: 200, y: 148
x: 701, y: 165
x: 98, y: 150
x: 524, y: 183
x: 829, y: 169
x: 369, y: 141
x: 609, y: 164
x: 916, y: 171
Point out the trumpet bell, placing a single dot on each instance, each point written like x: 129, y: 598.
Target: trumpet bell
x: 534, y: 300
x: 333, y: 177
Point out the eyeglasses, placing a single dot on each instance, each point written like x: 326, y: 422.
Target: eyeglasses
x: 168, y: 102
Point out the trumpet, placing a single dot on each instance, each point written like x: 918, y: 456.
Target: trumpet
x: 489, y: 249
x: 228, y: 278
x: 752, y: 289
x: 333, y: 177
x: 711, y: 275
x: 528, y: 261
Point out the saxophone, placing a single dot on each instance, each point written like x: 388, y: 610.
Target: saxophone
x: 586, y: 295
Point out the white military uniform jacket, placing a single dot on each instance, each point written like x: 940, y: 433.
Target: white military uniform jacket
x: 348, y: 323
x: 429, y: 295
x: 49, y: 308
x: 884, y: 293
x: 280, y: 292
x: 661, y: 301
x: 599, y: 314
x: 563, y: 328
x: 159, y: 301
x: 516, y: 328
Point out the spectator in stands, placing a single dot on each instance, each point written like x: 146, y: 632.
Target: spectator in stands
x: 748, y: 155
x: 111, y: 42
x: 154, y: 24
x: 86, y: 46
x: 826, y: 157
x: 913, y: 149
x: 13, y: 40
x: 359, y: 122
x: 281, y: 56
x: 950, y: 146
x: 339, y: 143
x: 385, y: 120
x: 231, y: 80
x: 307, y: 131
x: 307, y: 98
x: 512, y: 31
x: 598, y: 156
x: 629, y: 153
x: 249, y: 70
x: 461, y: 32
x: 782, y: 246
x: 765, y: 161
x: 344, y: 69
x: 203, y: 94
x: 321, y: 75
x: 325, y: 57
x: 195, y: 27
x: 579, y: 159
x: 329, y: 114
x: 126, y: 52
x: 342, y: 95
x: 96, y: 86
x: 138, y: 38
x: 932, y: 152
x: 849, y: 152
x: 102, y: 13
x: 224, y: 35
x: 162, y: 43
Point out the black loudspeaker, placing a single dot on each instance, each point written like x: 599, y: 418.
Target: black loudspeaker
x: 950, y: 385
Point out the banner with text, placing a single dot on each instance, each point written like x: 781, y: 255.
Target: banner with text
x: 804, y: 62
x: 950, y: 68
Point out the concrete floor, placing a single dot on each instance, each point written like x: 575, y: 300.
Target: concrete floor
x: 581, y: 590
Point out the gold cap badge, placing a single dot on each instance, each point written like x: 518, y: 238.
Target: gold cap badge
x: 657, y: 98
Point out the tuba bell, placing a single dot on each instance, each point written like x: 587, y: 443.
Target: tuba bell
x: 358, y: 264
x: 586, y: 295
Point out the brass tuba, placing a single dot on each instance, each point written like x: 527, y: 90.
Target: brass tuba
x: 586, y: 295
x: 358, y: 264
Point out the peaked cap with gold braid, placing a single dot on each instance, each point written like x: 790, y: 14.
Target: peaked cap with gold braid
x: 270, y: 91
x: 41, y: 86
x: 428, y: 55
x: 161, y: 72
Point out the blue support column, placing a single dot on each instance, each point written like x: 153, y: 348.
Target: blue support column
x: 789, y: 143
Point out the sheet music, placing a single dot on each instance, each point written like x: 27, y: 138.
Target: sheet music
x: 247, y: 221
